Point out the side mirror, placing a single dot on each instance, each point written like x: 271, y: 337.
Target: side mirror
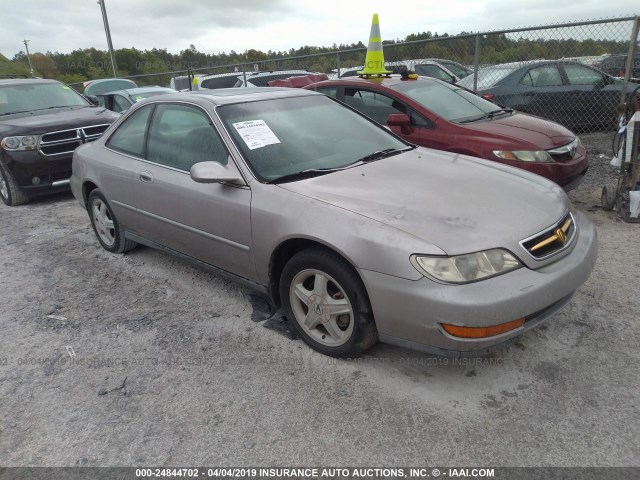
x: 400, y: 120
x: 93, y: 99
x: 214, y: 172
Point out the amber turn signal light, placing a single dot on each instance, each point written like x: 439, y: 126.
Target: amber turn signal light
x: 482, y: 332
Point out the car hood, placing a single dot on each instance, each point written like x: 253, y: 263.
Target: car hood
x: 529, y: 131
x: 38, y: 122
x: 458, y: 203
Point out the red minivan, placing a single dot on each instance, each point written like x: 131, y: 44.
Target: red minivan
x: 435, y: 114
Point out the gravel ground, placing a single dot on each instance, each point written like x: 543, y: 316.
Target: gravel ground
x: 143, y: 359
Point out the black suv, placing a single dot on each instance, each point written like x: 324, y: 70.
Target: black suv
x: 41, y: 124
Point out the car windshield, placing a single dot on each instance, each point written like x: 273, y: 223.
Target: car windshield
x: 37, y: 96
x: 487, y: 78
x: 228, y: 81
x: 457, y: 70
x: 447, y: 101
x: 286, y: 136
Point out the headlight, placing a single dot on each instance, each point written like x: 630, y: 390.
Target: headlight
x: 27, y: 142
x: 466, y: 268
x: 524, y: 155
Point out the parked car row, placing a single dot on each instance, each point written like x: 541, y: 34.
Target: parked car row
x: 433, y: 250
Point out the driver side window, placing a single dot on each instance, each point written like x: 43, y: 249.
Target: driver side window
x: 379, y: 106
x: 578, y: 75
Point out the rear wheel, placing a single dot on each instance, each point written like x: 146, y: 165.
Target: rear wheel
x: 609, y: 197
x: 105, y: 225
x: 327, y: 303
x: 9, y: 190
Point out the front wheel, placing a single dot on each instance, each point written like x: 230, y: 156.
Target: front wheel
x: 105, y: 225
x: 327, y: 303
x: 9, y: 190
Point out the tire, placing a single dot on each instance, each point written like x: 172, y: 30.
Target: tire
x: 105, y: 225
x: 609, y: 197
x: 315, y: 281
x: 10, y: 192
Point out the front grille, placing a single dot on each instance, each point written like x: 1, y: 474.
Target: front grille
x: 566, y: 152
x: 562, y: 157
x: 66, y: 141
x: 552, y: 240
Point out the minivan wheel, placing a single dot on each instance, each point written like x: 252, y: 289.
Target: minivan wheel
x: 327, y: 303
x: 105, y: 225
x: 9, y: 191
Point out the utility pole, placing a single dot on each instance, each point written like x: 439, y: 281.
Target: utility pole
x: 26, y: 46
x: 105, y: 20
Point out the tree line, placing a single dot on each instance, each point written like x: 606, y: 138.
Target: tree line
x: 90, y: 63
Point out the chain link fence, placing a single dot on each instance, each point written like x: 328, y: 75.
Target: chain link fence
x: 576, y: 74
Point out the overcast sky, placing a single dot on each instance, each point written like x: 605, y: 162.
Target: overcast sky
x: 214, y: 26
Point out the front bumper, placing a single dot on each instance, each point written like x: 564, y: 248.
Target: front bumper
x: 410, y: 313
x: 568, y: 174
x: 52, y: 172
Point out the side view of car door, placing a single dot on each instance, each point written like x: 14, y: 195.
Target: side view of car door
x: 541, y: 91
x: 207, y: 221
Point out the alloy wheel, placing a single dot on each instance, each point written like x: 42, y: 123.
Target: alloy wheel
x: 321, y: 307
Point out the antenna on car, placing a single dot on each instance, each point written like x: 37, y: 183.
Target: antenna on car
x: 374, y: 61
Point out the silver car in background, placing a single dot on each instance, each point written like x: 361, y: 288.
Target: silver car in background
x: 356, y: 234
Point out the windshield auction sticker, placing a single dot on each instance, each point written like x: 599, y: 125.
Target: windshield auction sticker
x: 256, y: 133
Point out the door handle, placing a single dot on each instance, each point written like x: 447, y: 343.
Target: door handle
x: 146, y: 177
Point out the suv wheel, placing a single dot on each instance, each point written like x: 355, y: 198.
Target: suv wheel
x: 9, y: 191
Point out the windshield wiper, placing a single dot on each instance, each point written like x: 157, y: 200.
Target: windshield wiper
x: 39, y: 109
x: 312, y: 172
x: 315, y: 172
x: 57, y: 106
x: 490, y: 114
x: 387, y: 152
x: 493, y: 113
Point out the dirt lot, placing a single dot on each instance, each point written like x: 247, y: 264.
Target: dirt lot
x: 143, y: 359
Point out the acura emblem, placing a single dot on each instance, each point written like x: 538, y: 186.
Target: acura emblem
x: 562, y: 237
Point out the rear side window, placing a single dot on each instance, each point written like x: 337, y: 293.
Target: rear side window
x: 180, y: 136
x: 129, y: 137
x: 547, y: 76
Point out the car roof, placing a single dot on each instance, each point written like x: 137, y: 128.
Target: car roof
x: 534, y: 63
x: 136, y: 91
x: 387, y: 81
x: 27, y: 81
x: 228, y: 96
